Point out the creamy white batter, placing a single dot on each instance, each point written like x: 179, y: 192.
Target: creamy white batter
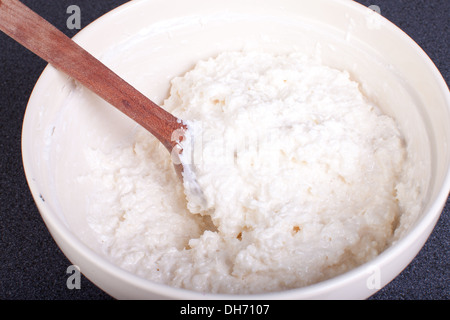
x: 299, y: 174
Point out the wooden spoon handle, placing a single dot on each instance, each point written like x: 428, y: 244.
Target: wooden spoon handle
x: 40, y: 37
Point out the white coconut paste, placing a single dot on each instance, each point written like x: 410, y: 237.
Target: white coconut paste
x: 299, y: 173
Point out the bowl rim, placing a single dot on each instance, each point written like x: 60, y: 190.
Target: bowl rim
x: 58, y: 228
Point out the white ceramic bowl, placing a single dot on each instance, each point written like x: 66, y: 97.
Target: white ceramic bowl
x: 156, y: 40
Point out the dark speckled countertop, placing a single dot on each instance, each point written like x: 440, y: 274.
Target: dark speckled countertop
x: 32, y: 267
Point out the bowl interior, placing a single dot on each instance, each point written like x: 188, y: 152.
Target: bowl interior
x: 155, y: 41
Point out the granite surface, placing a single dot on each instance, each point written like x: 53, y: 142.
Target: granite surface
x: 32, y: 267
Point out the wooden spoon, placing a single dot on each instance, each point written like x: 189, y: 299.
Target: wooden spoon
x: 39, y: 36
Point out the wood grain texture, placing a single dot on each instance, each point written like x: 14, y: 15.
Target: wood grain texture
x: 39, y: 36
